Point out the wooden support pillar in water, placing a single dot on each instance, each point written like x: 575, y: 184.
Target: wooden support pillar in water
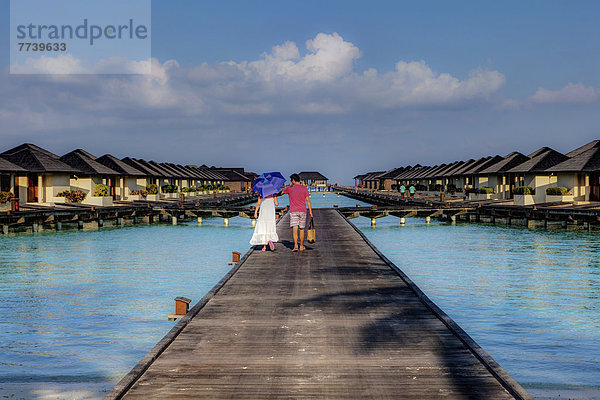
x: 226, y: 221
x: 453, y: 218
x: 587, y: 226
x: 428, y: 220
x: 253, y: 223
x: 100, y: 223
x: 36, y: 227
x: 59, y: 226
x: 79, y: 224
x: 373, y: 221
x: 563, y: 224
x: 402, y: 221
x: 173, y: 220
x: 5, y: 229
x: 199, y: 220
x: 119, y: 221
x: 492, y: 219
x: 508, y: 221
x: 136, y: 220
x: 545, y: 223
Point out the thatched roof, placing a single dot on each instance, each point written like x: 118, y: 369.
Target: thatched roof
x: 119, y: 166
x: 392, y: 173
x: 85, y: 153
x: 143, y: 167
x: 35, y: 159
x: 447, y: 170
x: 540, y: 161
x: 433, y: 171
x: 510, y: 161
x: 7, y: 166
x: 417, y: 172
x: 587, y: 161
x: 312, y: 176
x: 88, y: 166
x: 233, y: 175
x: 467, y: 168
x: 591, y: 145
x: 489, y: 161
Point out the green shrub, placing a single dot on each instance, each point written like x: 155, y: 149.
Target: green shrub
x: 101, y: 190
x: 226, y: 188
x: 73, y: 196
x: 169, y: 188
x: 190, y: 189
x: 152, y: 188
x: 140, y: 192
x: 486, y: 190
x: 6, y: 196
x: 557, y: 191
x: 521, y: 190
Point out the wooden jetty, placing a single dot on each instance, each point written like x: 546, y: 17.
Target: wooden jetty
x: 338, y: 320
x: 566, y: 215
x: 35, y: 218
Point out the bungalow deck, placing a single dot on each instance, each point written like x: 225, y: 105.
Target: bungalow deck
x: 338, y: 320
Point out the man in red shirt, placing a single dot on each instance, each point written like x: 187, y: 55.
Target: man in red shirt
x: 299, y: 200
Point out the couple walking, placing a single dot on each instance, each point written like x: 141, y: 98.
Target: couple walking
x: 265, y: 232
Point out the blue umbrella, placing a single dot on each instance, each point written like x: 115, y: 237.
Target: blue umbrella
x: 268, y: 183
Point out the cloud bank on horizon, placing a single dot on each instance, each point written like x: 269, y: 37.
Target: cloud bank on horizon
x: 323, y: 81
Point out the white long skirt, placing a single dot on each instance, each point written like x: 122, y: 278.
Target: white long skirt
x: 265, y: 229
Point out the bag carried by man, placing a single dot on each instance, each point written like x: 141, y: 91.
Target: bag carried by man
x: 311, y: 234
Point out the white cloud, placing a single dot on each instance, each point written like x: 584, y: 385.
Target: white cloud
x: 286, y: 82
x: 571, y: 93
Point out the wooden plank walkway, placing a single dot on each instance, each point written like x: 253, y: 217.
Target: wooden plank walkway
x: 336, y: 321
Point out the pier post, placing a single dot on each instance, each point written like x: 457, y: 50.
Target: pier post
x: 492, y: 219
x: 587, y: 226
x: 253, y: 222
x: 36, y: 227
x: 453, y: 219
x: 545, y: 223
x: 374, y: 221
x: 174, y: 220
x: 136, y: 220
x: 100, y: 223
x: 563, y: 224
x: 226, y: 221
x: 79, y: 224
x: 5, y: 229
x: 119, y: 221
x: 508, y: 221
x: 59, y: 226
x: 427, y: 220
x: 199, y: 220
x: 402, y: 221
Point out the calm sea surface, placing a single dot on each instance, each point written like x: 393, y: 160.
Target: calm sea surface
x: 79, y: 309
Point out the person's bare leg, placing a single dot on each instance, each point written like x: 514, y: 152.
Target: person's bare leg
x: 301, y: 239
x: 295, y: 236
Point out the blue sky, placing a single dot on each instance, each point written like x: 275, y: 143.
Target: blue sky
x: 385, y: 83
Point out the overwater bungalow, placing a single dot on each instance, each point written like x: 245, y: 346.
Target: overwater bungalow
x: 313, y: 180
x: 45, y: 177
x: 533, y: 173
x: 496, y: 175
x: 153, y: 177
x: 580, y: 174
x: 235, y: 179
x: 130, y: 179
x: 9, y: 175
x: 91, y: 174
x: 388, y: 179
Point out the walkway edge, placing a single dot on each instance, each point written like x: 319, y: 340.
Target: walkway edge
x: 507, y: 381
x: 131, y: 378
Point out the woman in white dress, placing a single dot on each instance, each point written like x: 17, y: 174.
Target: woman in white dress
x: 265, y: 231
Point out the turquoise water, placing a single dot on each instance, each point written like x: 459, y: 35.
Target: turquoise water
x: 529, y: 297
x: 82, y: 308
